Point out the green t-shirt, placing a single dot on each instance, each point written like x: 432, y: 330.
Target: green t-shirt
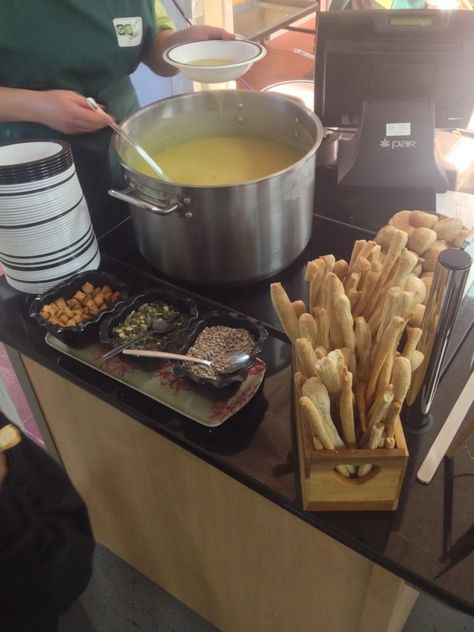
x: 89, y: 46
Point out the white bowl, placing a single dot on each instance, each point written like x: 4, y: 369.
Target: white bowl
x: 38, y: 184
x: 38, y: 287
x: 221, y: 60
x: 54, y: 271
x: 22, y: 153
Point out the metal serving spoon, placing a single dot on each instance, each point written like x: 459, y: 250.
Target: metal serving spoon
x: 158, y: 326
x: 235, y: 360
x: 118, y: 130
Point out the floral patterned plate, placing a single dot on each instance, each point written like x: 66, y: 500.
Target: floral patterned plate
x: 164, y: 386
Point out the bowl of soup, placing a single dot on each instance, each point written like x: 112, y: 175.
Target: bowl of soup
x: 214, y: 61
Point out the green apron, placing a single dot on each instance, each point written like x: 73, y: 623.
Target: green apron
x: 89, y: 46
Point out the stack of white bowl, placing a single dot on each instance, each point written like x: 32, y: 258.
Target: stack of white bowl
x: 46, y: 233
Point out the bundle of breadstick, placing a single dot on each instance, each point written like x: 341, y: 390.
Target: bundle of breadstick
x: 428, y: 235
x: 355, y: 342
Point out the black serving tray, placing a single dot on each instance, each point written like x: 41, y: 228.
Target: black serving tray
x: 226, y: 385
x: 84, y: 333
x: 171, y: 341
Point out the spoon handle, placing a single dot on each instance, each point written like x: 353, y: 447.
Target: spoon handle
x: 165, y: 354
x: 124, y: 345
x: 118, y: 130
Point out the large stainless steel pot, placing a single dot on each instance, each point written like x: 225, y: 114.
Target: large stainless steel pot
x: 222, y: 234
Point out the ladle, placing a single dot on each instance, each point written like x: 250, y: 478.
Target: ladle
x: 234, y: 360
x: 158, y: 326
x: 138, y: 148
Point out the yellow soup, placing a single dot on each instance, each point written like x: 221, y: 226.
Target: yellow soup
x: 210, y: 62
x: 219, y: 160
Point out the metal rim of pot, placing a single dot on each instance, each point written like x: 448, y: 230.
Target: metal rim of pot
x: 175, y: 204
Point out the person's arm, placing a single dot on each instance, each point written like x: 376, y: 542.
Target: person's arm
x: 153, y: 56
x: 62, y: 110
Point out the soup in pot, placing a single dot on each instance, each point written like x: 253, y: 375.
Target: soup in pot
x: 223, y: 160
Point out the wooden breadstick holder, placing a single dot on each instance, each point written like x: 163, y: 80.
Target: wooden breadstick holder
x: 324, y: 489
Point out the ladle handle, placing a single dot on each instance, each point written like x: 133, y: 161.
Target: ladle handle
x: 165, y: 354
x: 118, y: 130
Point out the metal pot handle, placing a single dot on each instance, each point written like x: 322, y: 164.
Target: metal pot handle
x: 125, y: 197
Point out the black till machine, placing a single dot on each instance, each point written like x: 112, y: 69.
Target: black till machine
x: 394, y: 77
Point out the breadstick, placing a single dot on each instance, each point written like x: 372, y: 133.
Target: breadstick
x: 416, y: 360
x: 417, y: 318
x: 346, y: 410
x: 375, y: 255
x: 285, y: 311
x: 352, y: 281
x: 413, y: 338
x: 400, y: 378
x: 405, y: 305
x: 363, y: 341
x: 373, y: 443
x: 317, y: 444
x: 329, y: 373
x: 356, y: 249
x: 306, y: 357
x: 340, y: 269
x: 336, y: 289
x: 407, y: 263
x: 361, y: 404
x: 367, y: 249
x: 379, y: 408
x: 298, y: 307
x: 388, y: 310
x: 318, y: 394
x: 369, y: 286
x: 362, y: 266
x: 313, y: 417
x: 308, y: 329
x: 391, y: 418
x: 324, y: 294
x: 299, y: 380
x: 346, y: 322
x: 315, y: 273
x: 320, y: 352
x: 384, y: 376
x: 347, y: 357
x: 397, y: 244
x: 402, y: 221
x: 353, y: 296
x: 418, y: 287
x: 321, y: 319
x: 385, y: 235
x: 338, y: 358
x: 329, y: 262
x: 387, y: 344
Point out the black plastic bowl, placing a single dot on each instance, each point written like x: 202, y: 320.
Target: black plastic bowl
x: 83, y: 334
x: 225, y: 385
x: 171, y: 341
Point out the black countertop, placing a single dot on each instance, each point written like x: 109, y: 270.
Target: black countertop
x: 257, y: 445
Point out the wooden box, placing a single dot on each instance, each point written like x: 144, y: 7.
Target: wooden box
x: 324, y: 489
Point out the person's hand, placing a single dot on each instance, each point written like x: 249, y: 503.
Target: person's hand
x: 67, y: 112
x: 198, y: 33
